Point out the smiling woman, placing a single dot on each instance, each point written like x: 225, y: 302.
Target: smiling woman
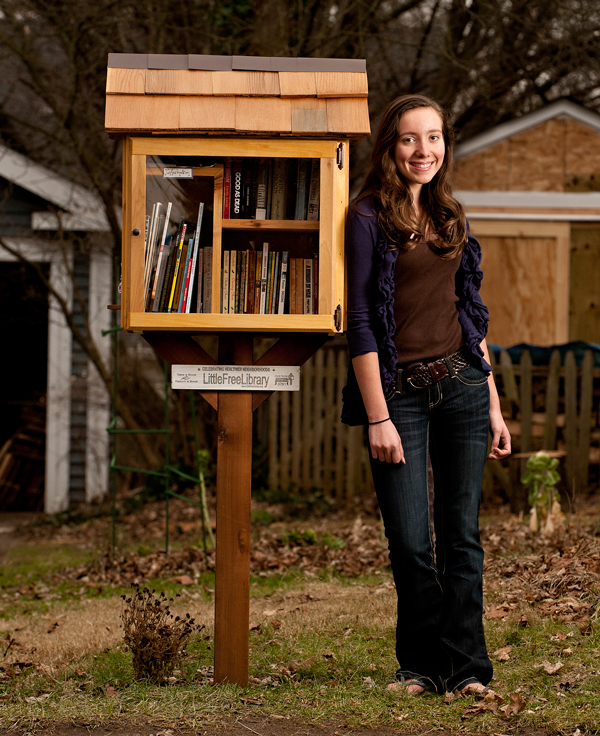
x: 420, y: 379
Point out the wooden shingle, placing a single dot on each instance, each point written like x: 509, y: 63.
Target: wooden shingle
x: 309, y: 115
x: 264, y: 115
x: 142, y: 112
x: 341, y: 84
x: 348, y: 115
x: 297, y: 84
x: 251, y: 84
x: 207, y: 113
x: 125, y: 81
x: 178, y: 82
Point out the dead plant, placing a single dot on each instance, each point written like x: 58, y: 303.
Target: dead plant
x: 155, y: 636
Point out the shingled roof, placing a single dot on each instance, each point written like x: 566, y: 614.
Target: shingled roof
x: 176, y: 93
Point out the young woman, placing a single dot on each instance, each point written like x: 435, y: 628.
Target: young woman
x: 421, y: 380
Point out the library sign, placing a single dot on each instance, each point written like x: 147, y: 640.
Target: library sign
x: 236, y: 377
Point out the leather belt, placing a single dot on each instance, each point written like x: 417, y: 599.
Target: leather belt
x: 423, y: 375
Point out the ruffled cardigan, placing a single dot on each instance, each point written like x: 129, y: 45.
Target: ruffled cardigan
x: 370, y: 314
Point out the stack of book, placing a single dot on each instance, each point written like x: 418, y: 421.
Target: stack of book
x: 178, y: 273
x: 268, y: 282
x: 271, y: 189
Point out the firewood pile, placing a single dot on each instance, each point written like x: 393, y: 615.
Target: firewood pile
x: 22, y: 463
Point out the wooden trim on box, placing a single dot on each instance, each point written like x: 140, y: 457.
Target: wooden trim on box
x: 270, y: 225
x: 126, y: 229
x: 136, y: 242
x: 232, y: 322
x: 342, y: 189
x: 259, y: 147
x: 215, y: 305
x: 327, y: 236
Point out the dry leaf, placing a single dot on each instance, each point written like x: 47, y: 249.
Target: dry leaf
x: 269, y: 612
x: 110, y: 691
x: 448, y: 698
x: 494, y: 612
x: 276, y: 623
x: 183, y: 580
x: 503, y: 654
x: 295, y: 665
x: 516, y: 705
x: 53, y: 626
x: 369, y: 682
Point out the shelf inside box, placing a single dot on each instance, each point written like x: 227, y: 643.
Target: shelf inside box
x: 232, y: 322
x: 270, y: 224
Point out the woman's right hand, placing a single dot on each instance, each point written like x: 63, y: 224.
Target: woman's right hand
x: 385, y: 442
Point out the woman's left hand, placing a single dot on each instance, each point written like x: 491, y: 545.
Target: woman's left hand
x: 500, y: 436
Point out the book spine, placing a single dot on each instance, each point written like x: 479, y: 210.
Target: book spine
x: 299, y: 285
x: 251, y: 280
x: 279, y: 198
x: 275, y: 283
x: 186, y: 277
x: 253, y: 188
x: 164, y: 297
x: 244, y: 290
x: 301, y: 193
x: 161, y: 270
x: 315, y: 272
x: 176, y: 271
x: 200, y: 292
x: 180, y: 276
x: 160, y: 261
x: 308, y: 304
x: 270, y: 188
x: 292, y: 286
x: 227, y: 188
x: 262, y: 190
x: 207, y: 295
x: 314, y: 190
x: 236, y: 189
x: 282, y: 283
x: 257, y: 281
x: 269, y: 295
x: 232, y: 269
x: 225, y: 304
x: 148, y: 233
x: 247, y: 187
x: 263, y: 277
x: 195, y: 255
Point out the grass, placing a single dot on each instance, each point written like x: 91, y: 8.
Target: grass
x: 321, y: 648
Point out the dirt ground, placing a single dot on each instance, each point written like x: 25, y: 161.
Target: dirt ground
x: 259, y: 727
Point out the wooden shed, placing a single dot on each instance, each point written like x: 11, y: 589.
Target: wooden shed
x: 531, y: 188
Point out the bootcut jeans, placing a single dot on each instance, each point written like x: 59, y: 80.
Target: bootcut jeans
x: 439, y: 635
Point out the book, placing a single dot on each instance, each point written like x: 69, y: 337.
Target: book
x: 257, y: 282
x: 299, y: 285
x: 238, y: 264
x: 279, y: 195
x: 152, y: 247
x: 232, y: 271
x: 262, y: 189
x: 308, y: 286
x: 251, y: 281
x: 276, y: 277
x: 292, y: 188
x: 170, y: 265
x: 227, y: 188
x: 148, y: 230
x: 235, y: 211
x: 159, y: 270
x: 177, y: 265
x: 181, y: 277
x: 263, y: 277
x: 225, y: 281
x: 282, y: 283
x: 243, y: 287
x: 302, y: 189
x: 269, y: 283
x: 292, y: 266
x: 314, y: 191
x: 160, y: 274
x: 270, y: 189
x: 185, y: 279
x: 200, y: 287
x: 194, y: 257
x: 315, y: 273
x: 253, y: 187
x: 207, y: 290
x: 247, y: 187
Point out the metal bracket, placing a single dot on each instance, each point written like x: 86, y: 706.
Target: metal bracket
x: 337, y: 319
x: 339, y: 156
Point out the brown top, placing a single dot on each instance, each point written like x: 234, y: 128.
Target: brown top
x: 425, y: 306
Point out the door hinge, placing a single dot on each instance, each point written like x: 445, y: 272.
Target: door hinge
x: 337, y: 319
x: 340, y: 156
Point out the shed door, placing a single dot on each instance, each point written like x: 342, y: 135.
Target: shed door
x: 584, y: 307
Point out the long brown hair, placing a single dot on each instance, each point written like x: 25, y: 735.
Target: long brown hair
x: 443, y: 214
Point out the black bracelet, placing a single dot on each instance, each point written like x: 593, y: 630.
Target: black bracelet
x: 381, y: 421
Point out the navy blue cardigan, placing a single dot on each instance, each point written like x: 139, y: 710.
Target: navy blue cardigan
x: 370, y: 315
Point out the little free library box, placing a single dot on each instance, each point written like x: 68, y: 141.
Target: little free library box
x: 235, y: 192
x: 235, y: 189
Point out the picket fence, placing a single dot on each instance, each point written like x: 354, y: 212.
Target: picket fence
x: 549, y: 407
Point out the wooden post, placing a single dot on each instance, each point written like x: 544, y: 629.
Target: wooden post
x: 571, y: 422
x: 234, y: 474
x: 526, y: 401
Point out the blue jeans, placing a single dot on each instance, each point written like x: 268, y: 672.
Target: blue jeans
x: 439, y: 635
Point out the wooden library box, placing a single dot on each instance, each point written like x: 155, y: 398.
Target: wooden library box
x: 235, y: 189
